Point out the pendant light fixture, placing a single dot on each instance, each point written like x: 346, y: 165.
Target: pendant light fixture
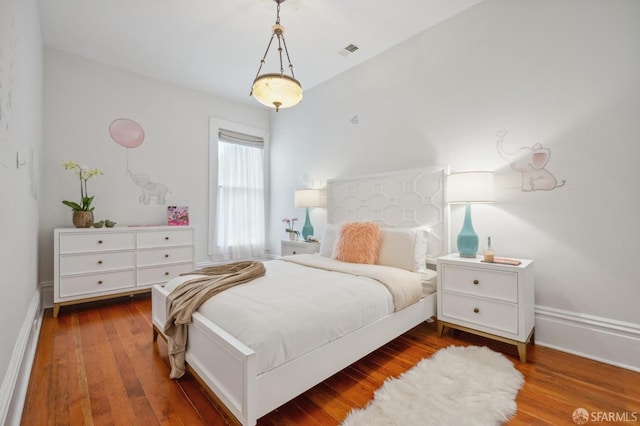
x: 277, y: 90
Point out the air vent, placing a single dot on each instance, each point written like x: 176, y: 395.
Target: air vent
x: 348, y: 50
x: 351, y: 48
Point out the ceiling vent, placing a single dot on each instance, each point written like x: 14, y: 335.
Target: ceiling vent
x: 349, y: 50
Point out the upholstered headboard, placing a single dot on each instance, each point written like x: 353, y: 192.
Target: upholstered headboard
x: 400, y: 199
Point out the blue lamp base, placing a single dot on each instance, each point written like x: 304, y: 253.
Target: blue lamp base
x: 467, y: 238
x: 307, y: 229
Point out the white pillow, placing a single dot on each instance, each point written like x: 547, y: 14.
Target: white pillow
x: 329, y: 239
x: 404, y: 248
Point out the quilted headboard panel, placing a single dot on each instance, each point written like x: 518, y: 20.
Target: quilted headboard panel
x: 401, y: 199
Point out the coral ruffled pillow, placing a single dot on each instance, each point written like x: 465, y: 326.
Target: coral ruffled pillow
x: 359, y: 242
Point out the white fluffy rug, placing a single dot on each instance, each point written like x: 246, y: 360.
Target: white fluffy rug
x: 456, y: 386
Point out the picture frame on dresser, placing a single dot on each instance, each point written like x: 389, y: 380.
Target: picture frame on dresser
x: 487, y: 299
x: 95, y: 264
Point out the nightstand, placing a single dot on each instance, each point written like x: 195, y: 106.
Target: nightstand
x: 488, y: 299
x: 298, y: 247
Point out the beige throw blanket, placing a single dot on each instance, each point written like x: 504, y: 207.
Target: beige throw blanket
x: 187, y: 297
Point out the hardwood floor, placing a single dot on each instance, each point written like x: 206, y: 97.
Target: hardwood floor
x: 96, y: 364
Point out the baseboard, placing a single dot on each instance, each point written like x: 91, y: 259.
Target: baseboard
x: 16, y: 381
x: 601, y: 339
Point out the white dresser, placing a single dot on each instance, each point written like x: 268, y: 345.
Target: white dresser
x: 99, y: 263
x: 488, y: 299
x: 288, y: 247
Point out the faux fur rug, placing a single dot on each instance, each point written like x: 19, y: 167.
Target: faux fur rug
x: 457, y: 386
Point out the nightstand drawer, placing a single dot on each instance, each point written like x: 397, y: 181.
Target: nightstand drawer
x: 496, y: 315
x: 96, y: 262
x: 298, y: 247
x: 485, y: 282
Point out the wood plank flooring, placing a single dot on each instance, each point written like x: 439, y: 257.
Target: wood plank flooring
x: 97, y: 365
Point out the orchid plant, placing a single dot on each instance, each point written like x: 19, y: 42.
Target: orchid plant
x: 84, y: 173
x: 290, y: 224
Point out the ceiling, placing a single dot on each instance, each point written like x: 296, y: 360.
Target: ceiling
x: 215, y: 46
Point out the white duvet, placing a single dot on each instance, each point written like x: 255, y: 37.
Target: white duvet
x: 293, y: 308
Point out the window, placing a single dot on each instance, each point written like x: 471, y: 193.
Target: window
x: 239, y: 213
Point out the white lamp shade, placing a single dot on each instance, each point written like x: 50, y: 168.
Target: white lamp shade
x: 470, y: 187
x: 307, y: 198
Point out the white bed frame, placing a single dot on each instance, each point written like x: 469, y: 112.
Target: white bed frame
x: 228, y: 368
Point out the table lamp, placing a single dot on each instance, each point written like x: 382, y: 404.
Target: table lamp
x: 307, y: 198
x: 466, y: 188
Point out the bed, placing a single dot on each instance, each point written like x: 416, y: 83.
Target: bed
x: 250, y: 379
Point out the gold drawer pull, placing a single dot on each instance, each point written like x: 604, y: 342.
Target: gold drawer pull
x: 476, y: 282
x: 476, y: 310
x: 99, y: 262
x: 166, y: 255
x: 100, y: 282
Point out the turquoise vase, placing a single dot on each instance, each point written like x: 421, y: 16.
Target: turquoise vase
x: 307, y: 229
x: 467, y: 238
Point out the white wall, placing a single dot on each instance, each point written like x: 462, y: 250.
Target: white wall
x: 20, y: 133
x: 82, y: 98
x: 560, y: 73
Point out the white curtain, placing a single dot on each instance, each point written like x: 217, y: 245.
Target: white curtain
x: 240, y: 215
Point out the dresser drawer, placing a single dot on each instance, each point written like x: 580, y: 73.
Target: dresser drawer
x: 96, y: 283
x: 496, y: 315
x: 164, y: 238
x: 164, y: 255
x: 488, y: 283
x: 96, y: 241
x: 96, y: 262
x: 161, y: 274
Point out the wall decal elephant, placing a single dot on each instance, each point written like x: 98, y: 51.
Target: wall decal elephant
x: 530, y: 162
x: 149, y: 189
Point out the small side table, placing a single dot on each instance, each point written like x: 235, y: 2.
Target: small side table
x: 487, y: 299
x: 298, y: 247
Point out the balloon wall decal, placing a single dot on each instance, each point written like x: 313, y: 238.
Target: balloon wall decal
x: 126, y: 132
x: 130, y: 134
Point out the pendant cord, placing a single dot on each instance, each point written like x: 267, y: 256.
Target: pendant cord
x: 277, y: 32
x: 263, y: 60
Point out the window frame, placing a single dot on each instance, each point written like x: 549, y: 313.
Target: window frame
x: 215, y: 124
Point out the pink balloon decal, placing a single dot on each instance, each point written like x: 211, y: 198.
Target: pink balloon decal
x: 126, y: 132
